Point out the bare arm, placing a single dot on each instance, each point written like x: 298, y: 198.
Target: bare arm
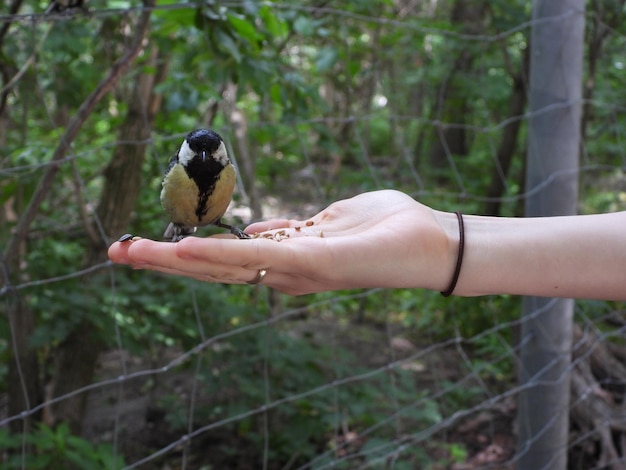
x: 574, y: 256
x: 387, y: 239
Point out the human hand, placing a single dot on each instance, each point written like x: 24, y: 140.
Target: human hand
x: 377, y: 239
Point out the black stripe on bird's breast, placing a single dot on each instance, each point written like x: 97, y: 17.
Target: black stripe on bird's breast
x: 205, y: 174
x: 202, y: 208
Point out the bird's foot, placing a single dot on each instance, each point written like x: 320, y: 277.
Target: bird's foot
x: 176, y: 233
x: 234, y: 230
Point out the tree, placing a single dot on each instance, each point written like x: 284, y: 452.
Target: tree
x: 552, y: 188
x: 76, y: 356
x: 316, y: 101
x: 452, y: 105
x: 25, y: 392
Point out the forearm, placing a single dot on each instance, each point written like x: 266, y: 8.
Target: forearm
x: 578, y: 256
x: 387, y: 239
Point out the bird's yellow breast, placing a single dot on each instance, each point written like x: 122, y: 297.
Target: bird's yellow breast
x: 181, y: 197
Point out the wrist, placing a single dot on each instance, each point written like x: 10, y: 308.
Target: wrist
x: 449, y: 223
x: 459, y: 257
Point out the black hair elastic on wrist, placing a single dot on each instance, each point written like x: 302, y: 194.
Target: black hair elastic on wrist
x: 459, y: 258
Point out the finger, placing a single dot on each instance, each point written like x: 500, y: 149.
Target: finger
x: 303, y: 255
x: 220, y: 278
x: 118, y: 252
x: 258, y: 253
x: 266, y: 225
x: 146, y: 252
x: 163, y: 257
x: 276, y: 224
x: 298, y: 284
x: 285, y: 283
x: 291, y: 269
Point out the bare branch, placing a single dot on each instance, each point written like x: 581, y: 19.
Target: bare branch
x: 74, y: 126
x: 13, y: 9
x: 27, y: 64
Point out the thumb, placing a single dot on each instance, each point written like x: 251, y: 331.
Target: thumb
x: 266, y: 225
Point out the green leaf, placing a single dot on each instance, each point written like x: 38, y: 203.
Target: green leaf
x: 304, y: 26
x: 326, y: 58
x: 276, y: 93
x: 244, y: 28
x: 173, y: 20
x: 7, y: 190
x: 275, y: 26
x: 228, y: 45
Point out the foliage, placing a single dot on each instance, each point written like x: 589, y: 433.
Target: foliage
x: 317, y: 411
x: 56, y: 448
x: 335, y: 101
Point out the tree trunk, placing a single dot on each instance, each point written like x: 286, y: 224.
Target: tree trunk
x: 77, y: 356
x: 552, y: 189
x: 452, y: 104
x: 508, y: 142
x: 449, y: 136
x: 24, y: 390
x: 606, y: 17
x: 597, y: 409
x: 23, y: 367
x: 244, y: 157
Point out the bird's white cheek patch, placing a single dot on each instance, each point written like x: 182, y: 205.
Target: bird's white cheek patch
x: 185, y: 154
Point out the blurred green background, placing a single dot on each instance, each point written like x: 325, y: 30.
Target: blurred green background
x: 316, y: 101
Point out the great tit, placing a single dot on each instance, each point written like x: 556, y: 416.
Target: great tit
x: 60, y: 6
x: 198, y: 185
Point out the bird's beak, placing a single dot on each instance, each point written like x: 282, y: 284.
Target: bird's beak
x: 203, y: 156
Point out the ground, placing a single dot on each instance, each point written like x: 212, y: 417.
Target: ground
x: 132, y: 414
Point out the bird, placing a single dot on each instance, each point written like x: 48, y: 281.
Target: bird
x: 63, y: 6
x: 198, y: 185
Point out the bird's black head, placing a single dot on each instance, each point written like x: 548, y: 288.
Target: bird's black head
x: 203, y: 140
x: 201, y: 147
x: 203, y: 156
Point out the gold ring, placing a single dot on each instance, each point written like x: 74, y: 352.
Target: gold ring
x: 259, y: 277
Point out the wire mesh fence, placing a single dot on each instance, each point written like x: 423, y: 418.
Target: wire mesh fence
x: 109, y: 367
